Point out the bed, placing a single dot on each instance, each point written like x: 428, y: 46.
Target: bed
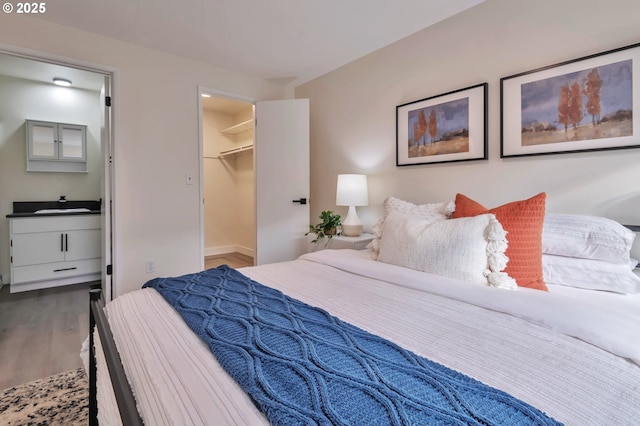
x: 573, y: 353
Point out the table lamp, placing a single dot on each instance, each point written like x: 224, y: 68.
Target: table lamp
x: 352, y: 191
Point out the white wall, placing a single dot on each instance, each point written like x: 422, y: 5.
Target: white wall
x: 353, y: 110
x: 228, y: 187
x: 24, y: 99
x: 156, y: 141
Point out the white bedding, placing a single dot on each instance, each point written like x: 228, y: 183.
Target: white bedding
x: 586, y: 380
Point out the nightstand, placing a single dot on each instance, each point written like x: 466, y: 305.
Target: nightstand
x: 342, y: 242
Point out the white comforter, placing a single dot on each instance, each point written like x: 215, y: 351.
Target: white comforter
x: 571, y: 353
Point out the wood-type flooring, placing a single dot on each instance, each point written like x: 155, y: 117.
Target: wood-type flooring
x: 41, y: 331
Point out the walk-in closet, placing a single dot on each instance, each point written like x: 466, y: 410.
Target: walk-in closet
x: 228, y: 177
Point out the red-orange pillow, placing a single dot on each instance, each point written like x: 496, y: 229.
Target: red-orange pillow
x: 523, y: 222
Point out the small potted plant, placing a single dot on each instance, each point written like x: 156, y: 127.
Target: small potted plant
x: 327, y: 228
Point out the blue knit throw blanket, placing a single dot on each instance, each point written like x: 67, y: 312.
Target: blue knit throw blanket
x: 302, y: 366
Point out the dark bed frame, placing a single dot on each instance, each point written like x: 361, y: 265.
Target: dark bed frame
x: 124, y: 396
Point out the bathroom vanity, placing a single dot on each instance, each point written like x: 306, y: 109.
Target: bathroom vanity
x: 58, y: 244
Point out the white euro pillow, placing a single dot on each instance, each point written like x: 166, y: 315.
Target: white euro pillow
x: 590, y: 274
x: 586, y: 237
x: 468, y: 249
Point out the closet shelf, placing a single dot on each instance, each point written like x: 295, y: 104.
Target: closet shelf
x: 239, y: 128
x: 234, y: 151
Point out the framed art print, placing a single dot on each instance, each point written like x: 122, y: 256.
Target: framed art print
x: 586, y: 104
x: 443, y: 128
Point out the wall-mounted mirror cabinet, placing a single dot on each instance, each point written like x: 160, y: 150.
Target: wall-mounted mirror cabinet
x: 56, y: 147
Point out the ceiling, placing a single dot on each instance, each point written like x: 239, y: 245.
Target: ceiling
x: 227, y: 106
x: 19, y: 67
x: 285, y: 41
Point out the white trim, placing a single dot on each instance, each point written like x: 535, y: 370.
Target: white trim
x: 220, y: 250
x: 66, y: 61
x: 228, y: 95
x: 201, y: 176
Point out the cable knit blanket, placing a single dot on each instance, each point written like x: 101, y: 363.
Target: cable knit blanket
x: 300, y: 365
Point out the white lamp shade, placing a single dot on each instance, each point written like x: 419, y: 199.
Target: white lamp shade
x: 352, y: 190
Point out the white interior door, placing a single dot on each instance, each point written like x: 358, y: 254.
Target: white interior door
x: 281, y: 155
x: 106, y: 188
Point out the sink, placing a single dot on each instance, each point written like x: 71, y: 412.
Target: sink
x: 45, y: 211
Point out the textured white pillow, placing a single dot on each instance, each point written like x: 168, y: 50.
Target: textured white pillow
x: 432, y: 212
x: 587, y: 237
x: 469, y: 249
x: 590, y: 274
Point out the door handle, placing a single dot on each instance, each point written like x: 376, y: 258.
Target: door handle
x: 65, y: 269
x: 301, y: 201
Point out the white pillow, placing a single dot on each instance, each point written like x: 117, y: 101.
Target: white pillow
x: 590, y: 274
x: 587, y: 237
x: 432, y: 211
x: 469, y: 249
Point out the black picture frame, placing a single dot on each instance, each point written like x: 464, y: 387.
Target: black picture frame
x: 581, y: 105
x: 445, y: 128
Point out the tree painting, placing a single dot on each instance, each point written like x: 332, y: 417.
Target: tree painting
x: 439, y: 129
x: 593, y: 103
x: 575, y: 104
x: 563, y: 107
x: 433, y: 125
x: 592, y: 90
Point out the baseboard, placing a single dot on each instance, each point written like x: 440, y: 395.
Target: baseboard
x: 216, y: 251
x: 246, y: 251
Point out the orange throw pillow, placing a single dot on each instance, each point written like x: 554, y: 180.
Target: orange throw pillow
x: 523, y: 222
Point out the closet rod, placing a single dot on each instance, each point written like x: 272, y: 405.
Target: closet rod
x: 229, y: 152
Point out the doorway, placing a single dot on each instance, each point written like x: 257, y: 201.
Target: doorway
x: 29, y: 94
x: 279, y: 178
x: 28, y: 83
x: 228, y: 180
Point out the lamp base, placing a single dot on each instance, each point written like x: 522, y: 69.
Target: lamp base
x: 352, y: 226
x: 351, y: 230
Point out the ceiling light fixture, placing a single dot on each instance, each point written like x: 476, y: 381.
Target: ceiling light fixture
x: 206, y: 95
x: 62, y: 82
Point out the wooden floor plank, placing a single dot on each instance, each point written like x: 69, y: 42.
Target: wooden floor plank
x: 234, y: 260
x: 41, y: 331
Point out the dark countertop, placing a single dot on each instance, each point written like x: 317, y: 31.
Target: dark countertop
x: 29, y: 208
x: 14, y: 215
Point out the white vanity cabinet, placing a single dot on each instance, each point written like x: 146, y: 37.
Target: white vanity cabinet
x: 54, y: 250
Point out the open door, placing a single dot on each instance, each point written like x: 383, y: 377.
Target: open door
x: 281, y: 156
x: 106, y: 188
